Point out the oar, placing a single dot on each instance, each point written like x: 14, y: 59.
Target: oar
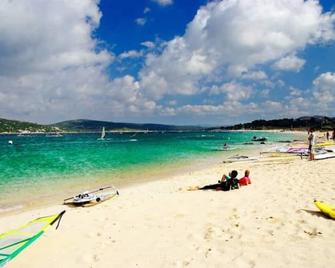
x: 107, y: 187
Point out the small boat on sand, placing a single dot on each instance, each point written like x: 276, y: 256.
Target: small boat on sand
x: 240, y: 158
x: 92, y: 197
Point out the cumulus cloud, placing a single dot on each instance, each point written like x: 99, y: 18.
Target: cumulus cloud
x: 48, y: 35
x: 273, y: 106
x: 130, y: 54
x: 325, y: 88
x: 163, y: 2
x: 233, y: 91
x: 229, y: 109
x: 295, y: 92
x: 289, y: 63
x: 254, y: 75
x: 52, y: 68
x: 232, y: 37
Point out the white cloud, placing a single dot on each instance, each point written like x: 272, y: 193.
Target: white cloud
x: 232, y: 37
x: 264, y: 93
x: 232, y: 90
x: 33, y: 36
x: 141, y: 21
x: 325, y: 89
x: 148, y: 44
x: 254, y: 75
x: 229, y: 109
x: 146, y: 10
x: 131, y: 54
x: 52, y: 69
x: 163, y: 2
x: 295, y: 92
x: 273, y: 106
x: 289, y: 63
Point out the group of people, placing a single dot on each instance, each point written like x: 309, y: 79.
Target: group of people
x: 229, y: 182
x: 312, y: 142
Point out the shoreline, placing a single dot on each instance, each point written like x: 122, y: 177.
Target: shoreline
x: 280, y: 130
x: 51, y: 192
x: 124, y: 179
x: 159, y: 223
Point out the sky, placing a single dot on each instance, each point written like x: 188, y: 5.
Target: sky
x: 197, y: 62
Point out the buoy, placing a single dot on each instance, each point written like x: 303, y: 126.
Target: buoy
x: 10, y: 142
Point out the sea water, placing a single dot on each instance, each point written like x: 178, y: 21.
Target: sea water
x: 35, y: 165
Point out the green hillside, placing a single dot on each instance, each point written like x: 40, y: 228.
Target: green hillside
x: 20, y: 126
x: 84, y: 125
x: 94, y: 125
x: 301, y: 123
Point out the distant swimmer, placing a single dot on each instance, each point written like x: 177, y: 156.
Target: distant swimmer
x: 10, y: 142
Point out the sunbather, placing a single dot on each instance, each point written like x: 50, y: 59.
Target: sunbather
x: 246, y: 179
x: 225, y: 184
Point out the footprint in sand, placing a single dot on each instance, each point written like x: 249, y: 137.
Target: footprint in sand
x: 271, y: 232
x: 313, y: 233
x: 252, y: 264
x: 208, y: 233
x: 96, y: 257
x: 208, y: 252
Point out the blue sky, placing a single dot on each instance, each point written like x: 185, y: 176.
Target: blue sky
x: 166, y: 61
x: 120, y: 32
x: 118, y: 25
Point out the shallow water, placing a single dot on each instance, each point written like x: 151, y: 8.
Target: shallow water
x: 38, y: 162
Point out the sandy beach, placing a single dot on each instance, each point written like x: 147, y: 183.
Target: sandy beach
x: 132, y: 106
x: 272, y: 222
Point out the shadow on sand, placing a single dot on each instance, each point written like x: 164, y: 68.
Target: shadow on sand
x: 317, y: 213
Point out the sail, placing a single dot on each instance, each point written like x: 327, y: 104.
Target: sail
x: 103, y: 133
x: 14, y: 241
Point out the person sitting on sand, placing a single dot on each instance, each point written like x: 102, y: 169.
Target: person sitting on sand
x: 225, y: 184
x: 246, y: 179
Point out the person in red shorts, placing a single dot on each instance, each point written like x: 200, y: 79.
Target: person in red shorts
x: 245, y: 180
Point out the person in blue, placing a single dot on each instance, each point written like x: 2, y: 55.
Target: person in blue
x: 225, y: 184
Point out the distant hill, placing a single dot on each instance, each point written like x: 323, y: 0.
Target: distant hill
x: 10, y: 126
x: 82, y: 125
x: 85, y: 125
x: 316, y: 122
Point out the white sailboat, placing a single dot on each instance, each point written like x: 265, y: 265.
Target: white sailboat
x: 103, y: 134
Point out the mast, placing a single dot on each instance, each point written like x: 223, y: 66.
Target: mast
x: 103, y: 133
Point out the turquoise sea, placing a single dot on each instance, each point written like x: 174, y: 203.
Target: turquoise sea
x: 35, y: 165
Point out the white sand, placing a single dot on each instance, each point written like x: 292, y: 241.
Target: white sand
x: 271, y: 223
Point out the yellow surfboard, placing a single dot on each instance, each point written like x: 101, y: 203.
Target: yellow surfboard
x: 325, y: 208
x: 325, y: 143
